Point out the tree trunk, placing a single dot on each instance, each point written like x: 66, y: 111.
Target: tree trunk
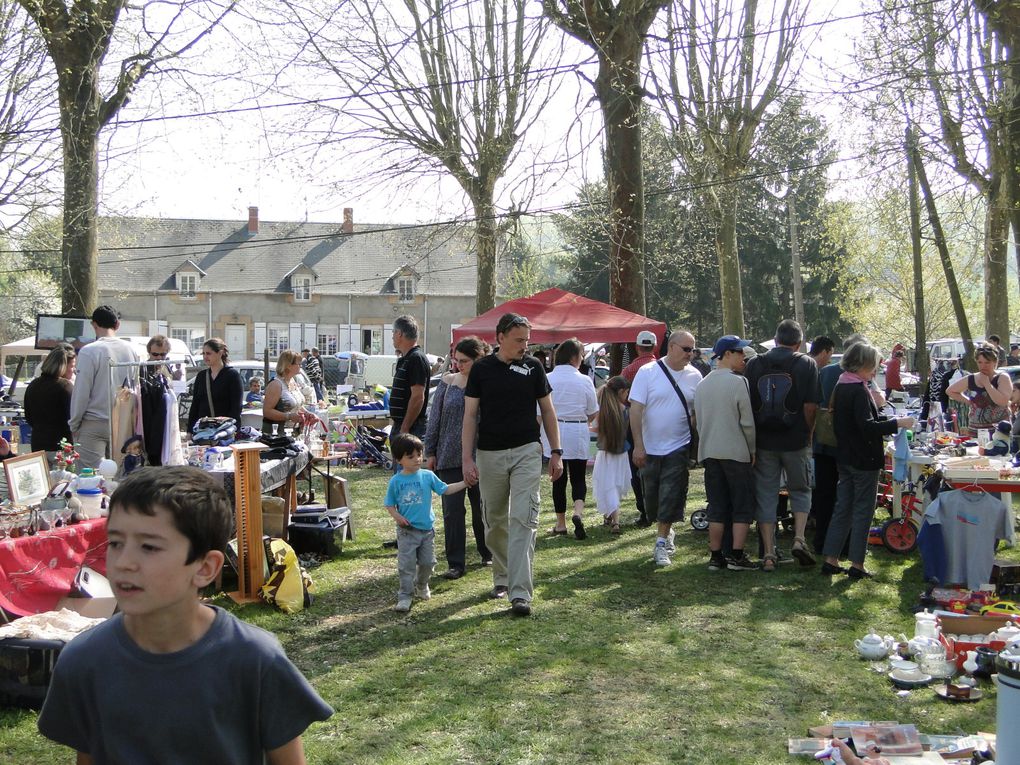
x: 947, y: 263
x: 995, y: 254
x: 485, y: 245
x: 729, y: 260
x: 78, y: 89
x: 619, y: 93
x: 798, y: 289
x: 921, y: 359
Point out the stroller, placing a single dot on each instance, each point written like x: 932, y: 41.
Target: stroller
x: 370, y: 445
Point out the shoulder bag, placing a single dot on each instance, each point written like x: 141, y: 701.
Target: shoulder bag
x: 825, y: 429
x: 692, y: 448
x: 208, y: 393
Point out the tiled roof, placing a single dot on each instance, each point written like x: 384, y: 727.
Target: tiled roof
x: 142, y: 254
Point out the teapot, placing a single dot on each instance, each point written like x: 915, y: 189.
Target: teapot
x: 1006, y: 634
x: 873, y: 647
x: 922, y: 645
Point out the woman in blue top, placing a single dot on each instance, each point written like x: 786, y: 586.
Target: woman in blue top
x: 443, y: 453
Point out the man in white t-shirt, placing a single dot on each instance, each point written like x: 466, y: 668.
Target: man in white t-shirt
x: 92, y: 394
x: 661, y: 419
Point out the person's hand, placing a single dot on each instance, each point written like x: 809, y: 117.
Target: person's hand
x: 555, y: 466
x: 430, y: 463
x: 852, y: 759
x: 402, y: 521
x: 904, y: 422
x: 639, y: 457
x: 981, y: 379
x: 470, y: 471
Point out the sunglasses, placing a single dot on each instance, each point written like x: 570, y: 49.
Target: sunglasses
x: 687, y: 348
x: 517, y: 321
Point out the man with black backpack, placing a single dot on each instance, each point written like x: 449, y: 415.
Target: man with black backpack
x: 784, y: 396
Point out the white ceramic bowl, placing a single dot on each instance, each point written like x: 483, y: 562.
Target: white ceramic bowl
x: 904, y: 665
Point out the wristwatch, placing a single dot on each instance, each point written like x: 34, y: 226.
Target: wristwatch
x: 556, y: 451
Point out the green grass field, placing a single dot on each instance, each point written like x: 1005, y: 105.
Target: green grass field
x: 620, y: 663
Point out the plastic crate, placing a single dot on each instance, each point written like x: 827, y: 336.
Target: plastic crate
x: 26, y: 667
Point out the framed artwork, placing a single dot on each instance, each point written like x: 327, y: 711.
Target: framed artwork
x: 28, y: 478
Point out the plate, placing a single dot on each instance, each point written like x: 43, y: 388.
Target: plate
x: 976, y: 694
x: 903, y: 681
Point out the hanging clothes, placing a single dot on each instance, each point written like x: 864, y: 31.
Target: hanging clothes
x: 154, y: 415
x: 124, y: 421
x: 972, y: 522
x: 173, y: 452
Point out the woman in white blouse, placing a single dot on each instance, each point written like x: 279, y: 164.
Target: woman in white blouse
x: 573, y: 398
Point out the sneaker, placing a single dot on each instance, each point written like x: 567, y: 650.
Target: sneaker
x: 403, y: 605
x: 500, y: 591
x: 422, y: 592
x: 717, y: 562
x: 743, y: 563
x: 671, y: 542
x: 520, y: 607
x: 662, y: 555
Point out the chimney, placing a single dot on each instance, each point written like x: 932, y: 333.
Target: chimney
x: 253, y: 221
x: 348, y: 227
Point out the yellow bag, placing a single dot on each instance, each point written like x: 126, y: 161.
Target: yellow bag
x: 289, y: 586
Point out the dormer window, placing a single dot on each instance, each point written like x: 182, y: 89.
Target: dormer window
x: 302, y: 288
x: 187, y: 284
x: 405, y: 289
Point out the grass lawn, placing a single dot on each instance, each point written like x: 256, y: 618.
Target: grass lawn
x: 621, y: 662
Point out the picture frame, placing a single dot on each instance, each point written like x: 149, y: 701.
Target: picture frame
x: 28, y: 478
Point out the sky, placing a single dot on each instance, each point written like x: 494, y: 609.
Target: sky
x: 215, y: 167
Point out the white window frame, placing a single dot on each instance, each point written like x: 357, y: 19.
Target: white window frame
x: 405, y: 289
x: 277, y: 339
x: 192, y: 335
x: 301, y: 287
x: 327, y: 340
x: 187, y: 285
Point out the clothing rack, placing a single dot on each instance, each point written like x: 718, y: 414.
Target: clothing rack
x: 114, y: 388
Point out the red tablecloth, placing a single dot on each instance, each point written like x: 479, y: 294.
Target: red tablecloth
x: 37, y: 571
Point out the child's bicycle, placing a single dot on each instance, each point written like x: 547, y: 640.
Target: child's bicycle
x: 899, y: 533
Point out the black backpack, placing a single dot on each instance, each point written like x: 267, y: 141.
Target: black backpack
x: 776, y: 393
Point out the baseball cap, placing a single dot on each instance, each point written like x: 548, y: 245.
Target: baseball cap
x: 646, y: 338
x: 728, y: 343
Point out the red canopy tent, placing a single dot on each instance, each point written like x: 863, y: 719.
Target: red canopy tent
x: 556, y: 315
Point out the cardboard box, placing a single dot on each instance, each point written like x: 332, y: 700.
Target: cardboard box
x: 273, y: 511
x: 336, y: 492
x: 963, y: 624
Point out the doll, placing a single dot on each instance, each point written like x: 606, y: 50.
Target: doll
x: 133, y: 456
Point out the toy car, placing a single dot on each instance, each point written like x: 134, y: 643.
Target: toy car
x: 1003, y: 607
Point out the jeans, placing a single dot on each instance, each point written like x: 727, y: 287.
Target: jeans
x: 416, y: 557
x: 454, y: 527
x: 855, y: 509
x: 93, y: 441
x: 509, y: 480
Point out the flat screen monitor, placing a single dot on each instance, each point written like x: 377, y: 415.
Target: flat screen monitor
x: 51, y: 329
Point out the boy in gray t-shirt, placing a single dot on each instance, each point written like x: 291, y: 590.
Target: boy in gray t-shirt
x: 169, y: 679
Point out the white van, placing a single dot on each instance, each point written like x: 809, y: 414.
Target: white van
x: 179, y: 351
x: 379, y: 370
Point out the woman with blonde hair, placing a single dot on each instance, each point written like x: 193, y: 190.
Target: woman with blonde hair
x: 281, y: 403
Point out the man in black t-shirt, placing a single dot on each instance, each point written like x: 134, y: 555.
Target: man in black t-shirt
x: 409, y: 396
x: 499, y: 407
x: 784, y: 448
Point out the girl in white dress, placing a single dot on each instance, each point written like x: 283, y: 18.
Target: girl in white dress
x: 611, y: 475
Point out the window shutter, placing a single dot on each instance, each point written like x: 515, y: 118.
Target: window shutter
x: 260, y: 339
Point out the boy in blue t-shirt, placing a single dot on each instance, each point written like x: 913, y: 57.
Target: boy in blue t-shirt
x: 409, y: 501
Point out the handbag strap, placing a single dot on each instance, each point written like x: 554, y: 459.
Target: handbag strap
x: 208, y: 392
x: 680, y: 393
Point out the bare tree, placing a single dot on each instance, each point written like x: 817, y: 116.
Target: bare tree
x: 78, y: 37
x: 965, y: 64
x: 28, y: 150
x: 616, y: 33
x: 717, y: 72
x: 438, y: 86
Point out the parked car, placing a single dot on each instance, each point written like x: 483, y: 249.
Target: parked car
x: 248, y: 369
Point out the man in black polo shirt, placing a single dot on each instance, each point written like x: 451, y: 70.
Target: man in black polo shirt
x: 409, y: 396
x: 499, y: 407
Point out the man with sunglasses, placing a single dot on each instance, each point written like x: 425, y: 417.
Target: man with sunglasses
x: 662, y: 422
x: 499, y: 407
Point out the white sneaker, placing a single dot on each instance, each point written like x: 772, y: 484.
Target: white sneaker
x: 403, y: 605
x: 422, y: 592
x: 670, y: 545
x: 662, y: 555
